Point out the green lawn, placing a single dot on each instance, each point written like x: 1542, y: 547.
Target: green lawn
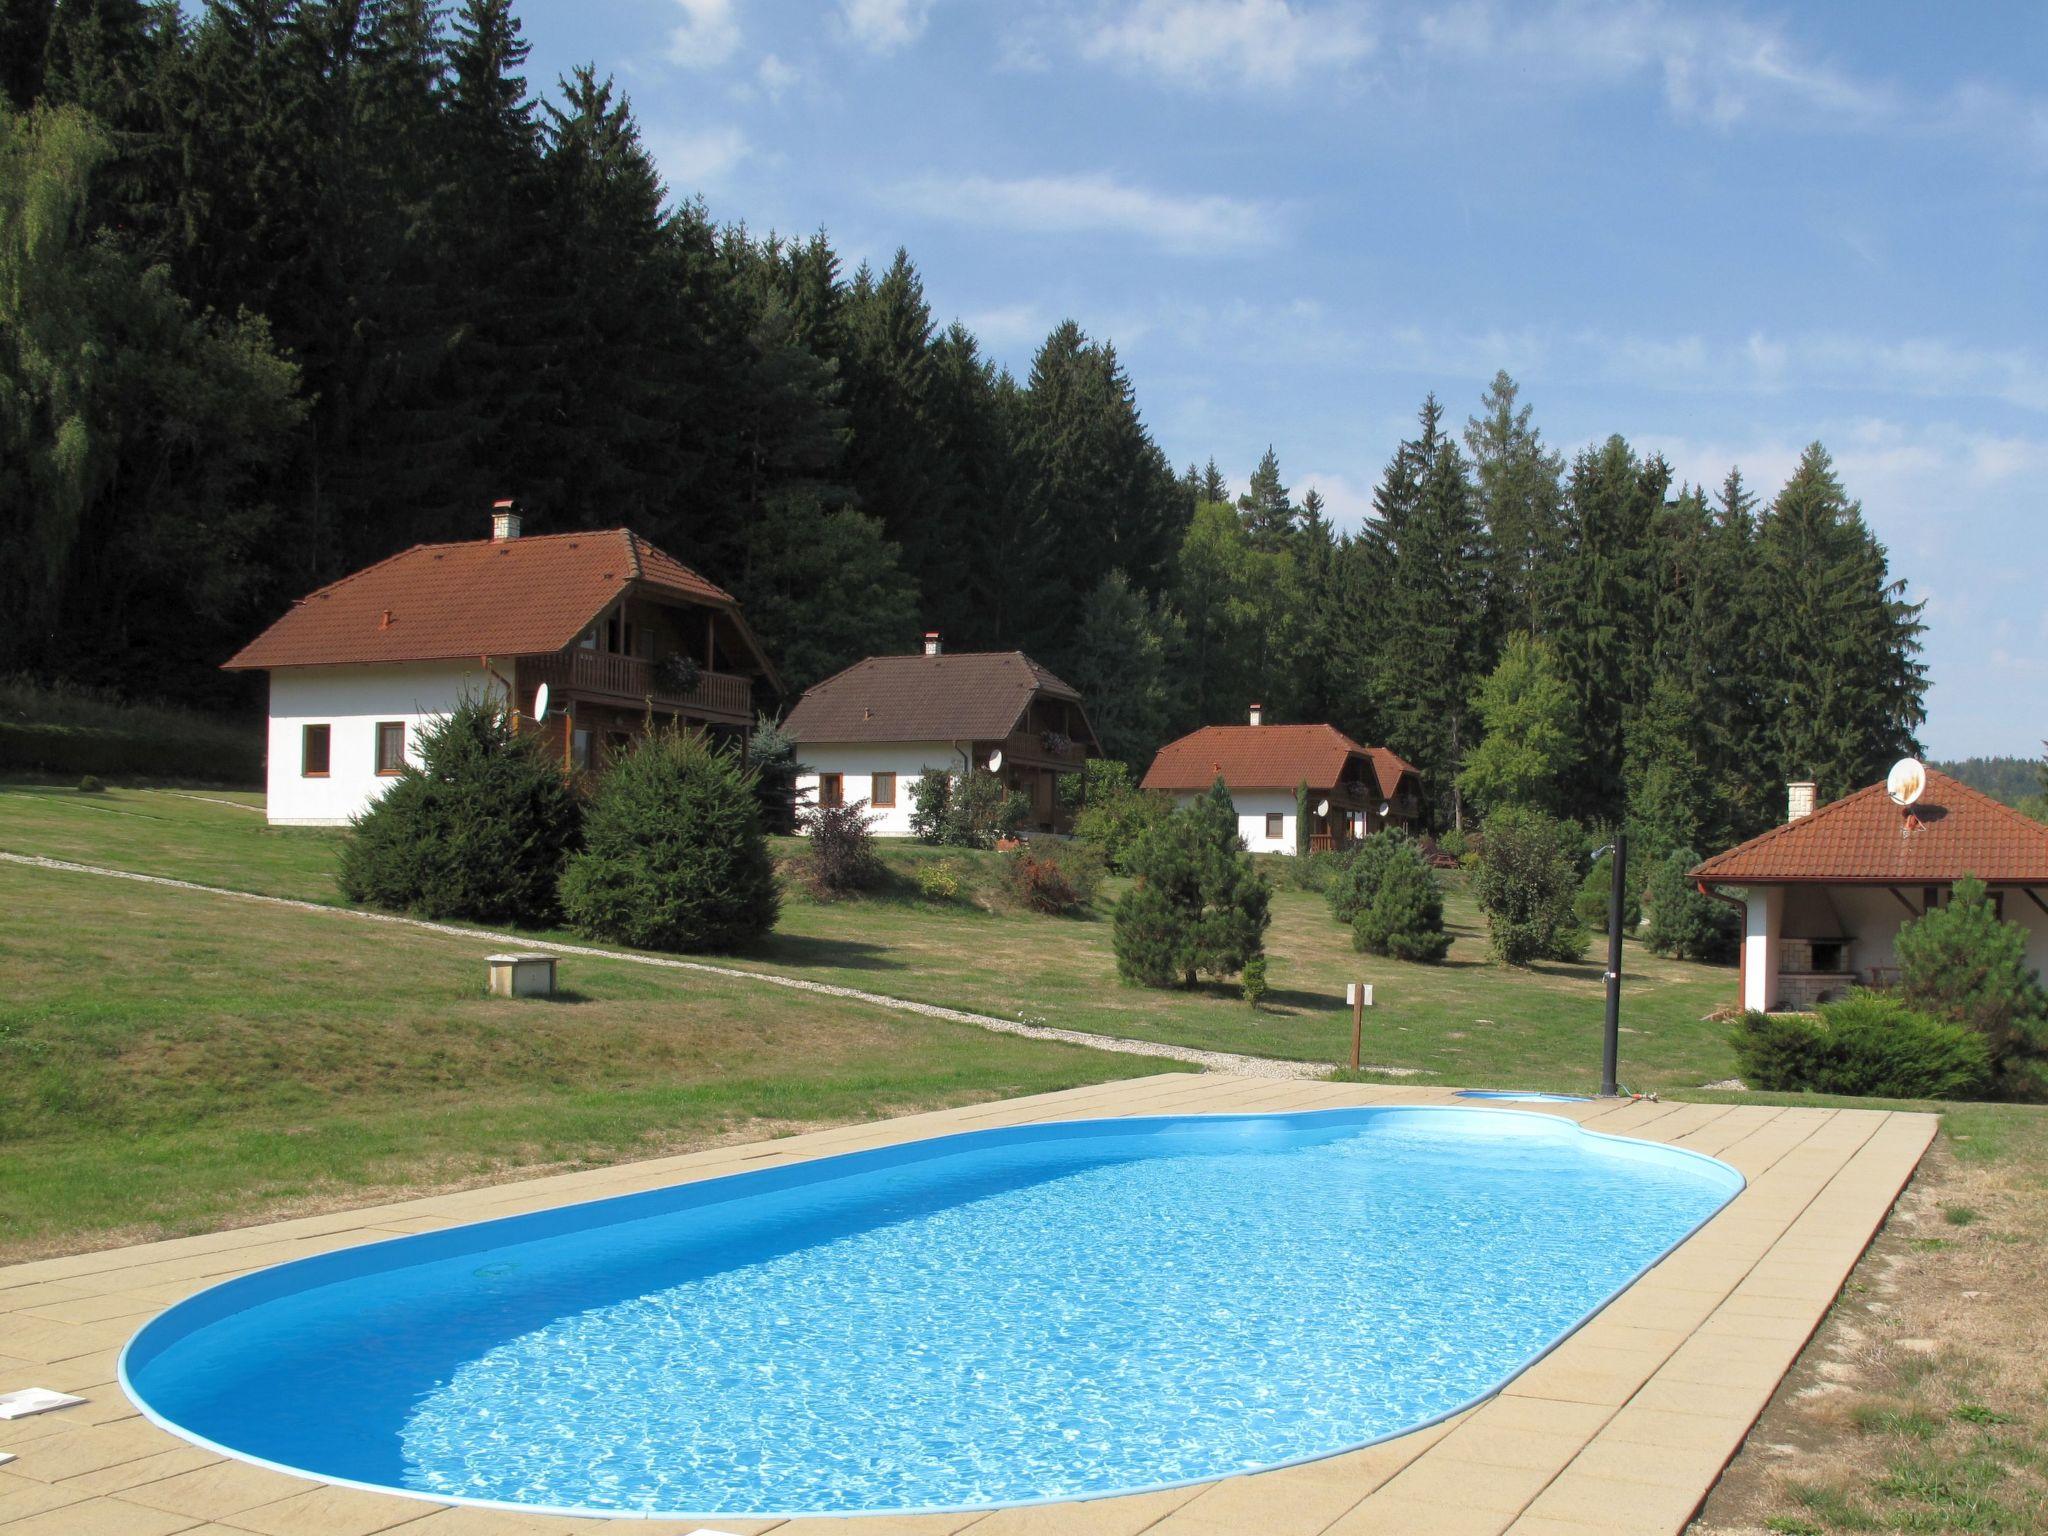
x: 1466, y: 1021
x: 174, y: 1063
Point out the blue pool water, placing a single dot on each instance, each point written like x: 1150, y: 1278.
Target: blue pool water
x: 994, y: 1318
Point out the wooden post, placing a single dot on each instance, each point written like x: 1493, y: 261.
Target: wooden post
x: 1357, y: 1020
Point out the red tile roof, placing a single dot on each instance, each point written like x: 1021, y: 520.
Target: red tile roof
x: 1268, y: 757
x: 1866, y: 839
x: 485, y: 597
x: 954, y: 696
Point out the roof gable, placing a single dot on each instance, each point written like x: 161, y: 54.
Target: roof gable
x: 953, y: 696
x: 483, y: 597
x: 1951, y: 831
x: 1268, y: 757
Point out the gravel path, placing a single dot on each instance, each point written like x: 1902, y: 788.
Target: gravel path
x: 1209, y: 1061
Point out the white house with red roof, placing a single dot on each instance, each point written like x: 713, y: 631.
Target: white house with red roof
x: 620, y: 632
x: 1353, y: 790
x: 1824, y: 895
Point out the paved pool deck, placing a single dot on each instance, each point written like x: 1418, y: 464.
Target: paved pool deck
x: 1620, y: 1431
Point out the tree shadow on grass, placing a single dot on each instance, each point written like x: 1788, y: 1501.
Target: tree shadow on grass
x: 808, y: 951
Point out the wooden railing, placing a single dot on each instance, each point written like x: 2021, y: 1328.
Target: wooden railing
x: 630, y: 679
x: 1031, y: 744
x: 1322, y: 842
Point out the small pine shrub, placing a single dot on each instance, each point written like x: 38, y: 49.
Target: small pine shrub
x: 1525, y: 883
x: 1052, y: 882
x: 938, y: 880
x: 842, y: 848
x: 674, y: 855
x: 1590, y: 905
x: 1198, y: 905
x: 481, y: 828
x: 1255, y: 980
x: 1962, y: 963
x: 1405, y: 917
x: 89, y: 785
x: 1682, y: 921
x: 1868, y: 1044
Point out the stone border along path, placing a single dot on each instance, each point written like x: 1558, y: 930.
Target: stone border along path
x: 1619, y: 1431
x: 1208, y: 1061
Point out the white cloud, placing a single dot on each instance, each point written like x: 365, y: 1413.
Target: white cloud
x: 1246, y: 42
x: 693, y: 160
x: 1346, y: 502
x: 1096, y: 204
x: 1008, y: 325
x: 883, y: 26
x: 775, y: 76
x: 707, y: 36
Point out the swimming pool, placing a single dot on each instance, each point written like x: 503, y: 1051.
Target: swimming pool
x: 1000, y: 1317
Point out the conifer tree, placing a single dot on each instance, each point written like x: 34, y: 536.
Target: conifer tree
x: 1268, y: 514
x: 1123, y: 655
x: 1520, y: 498
x: 1529, y: 751
x: 1214, y: 486
x: 1197, y: 906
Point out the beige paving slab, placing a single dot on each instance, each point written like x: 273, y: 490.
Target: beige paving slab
x: 1620, y: 1430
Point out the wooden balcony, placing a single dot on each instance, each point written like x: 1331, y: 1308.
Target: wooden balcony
x: 604, y: 678
x: 1029, y: 747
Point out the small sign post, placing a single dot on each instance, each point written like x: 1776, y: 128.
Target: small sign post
x: 1359, y: 995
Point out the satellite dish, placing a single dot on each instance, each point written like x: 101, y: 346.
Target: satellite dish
x: 1906, y: 782
x: 1322, y: 807
x: 995, y: 760
x: 1386, y: 806
x: 540, y: 702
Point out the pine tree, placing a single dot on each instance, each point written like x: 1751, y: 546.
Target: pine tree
x: 1521, y: 498
x: 1841, y: 639
x: 1529, y: 752
x: 1122, y: 666
x: 1214, y: 487
x: 1267, y: 513
x: 1197, y: 906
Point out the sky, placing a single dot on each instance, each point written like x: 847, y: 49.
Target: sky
x: 1722, y: 231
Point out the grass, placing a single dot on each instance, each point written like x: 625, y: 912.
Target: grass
x: 1466, y: 1021
x: 1920, y: 1405
x: 71, y: 731
x: 173, y: 1063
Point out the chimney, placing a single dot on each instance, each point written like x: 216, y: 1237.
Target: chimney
x: 1258, y: 714
x: 931, y: 642
x: 1799, y: 800
x: 504, y: 521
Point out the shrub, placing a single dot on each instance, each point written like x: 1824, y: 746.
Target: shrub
x: 88, y: 785
x: 771, y: 753
x: 1525, y: 882
x: 1963, y: 964
x: 1868, y: 1045
x: 1454, y: 845
x: 1682, y: 921
x: 1589, y: 906
x: 1405, y: 917
x: 930, y: 795
x: 842, y: 853
x: 938, y: 881
x: 1198, y: 905
x: 1116, y: 814
x: 1255, y: 980
x: 674, y: 854
x: 1318, y: 871
x: 980, y: 810
x: 1388, y: 896
x: 1053, y: 881
x: 64, y: 731
x: 479, y: 829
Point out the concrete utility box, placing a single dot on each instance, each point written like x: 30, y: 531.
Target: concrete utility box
x: 522, y: 975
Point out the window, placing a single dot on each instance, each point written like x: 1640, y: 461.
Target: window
x: 1276, y: 824
x: 390, y: 746
x: 831, y: 790
x: 313, y: 745
x: 882, y: 795
x: 579, y: 748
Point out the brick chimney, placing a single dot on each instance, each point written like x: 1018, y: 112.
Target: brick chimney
x: 504, y: 521
x: 1258, y: 714
x: 1799, y: 800
x: 931, y: 642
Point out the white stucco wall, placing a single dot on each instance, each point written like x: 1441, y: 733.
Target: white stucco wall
x: 1253, y: 806
x: 858, y: 762
x: 351, y: 702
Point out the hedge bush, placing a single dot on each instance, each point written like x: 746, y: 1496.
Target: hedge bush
x: 674, y: 855
x: 1115, y: 814
x: 1525, y: 883
x: 970, y: 811
x: 64, y: 731
x: 842, y: 853
x: 1963, y: 963
x: 1867, y: 1044
x: 1051, y: 880
x: 480, y: 829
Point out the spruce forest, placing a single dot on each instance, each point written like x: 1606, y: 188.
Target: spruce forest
x: 289, y: 285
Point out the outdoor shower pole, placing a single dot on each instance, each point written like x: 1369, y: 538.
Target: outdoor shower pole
x: 1610, y: 1059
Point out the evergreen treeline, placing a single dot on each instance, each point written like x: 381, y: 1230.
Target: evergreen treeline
x: 287, y: 285
x: 2015, y: 780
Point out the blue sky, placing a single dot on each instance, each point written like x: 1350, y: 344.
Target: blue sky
x: 1722, y: 231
